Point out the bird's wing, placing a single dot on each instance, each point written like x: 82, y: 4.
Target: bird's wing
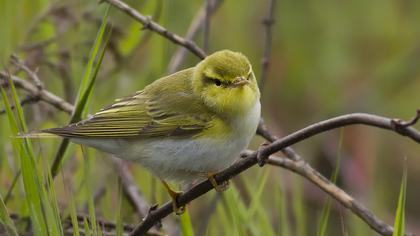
x: 149, y: 113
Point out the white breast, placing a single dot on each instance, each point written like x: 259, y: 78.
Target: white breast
x: 181, y: 159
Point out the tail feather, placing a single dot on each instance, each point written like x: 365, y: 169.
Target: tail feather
x: 36, y: 134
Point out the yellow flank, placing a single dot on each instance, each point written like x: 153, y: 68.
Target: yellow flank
x: 217, y: 129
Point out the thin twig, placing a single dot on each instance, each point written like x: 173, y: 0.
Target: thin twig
x: 268, y: 22
x: 305, y: 170
x: 196, y: 24
x: 153, y: 26
x: 26, y: 100
x: 129, y: 188
x: 134, y: 195
x: 251, y: 160
x: 31, y: 74
x: 206, y: 28
x: 263, y: 131
x: 108, y: 226
x: 43, y: 94
x: 340, y: 121
x: 398, y: 123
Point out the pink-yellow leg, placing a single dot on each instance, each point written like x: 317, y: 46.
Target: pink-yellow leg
x: 218, y: 187
x: 174, y: 196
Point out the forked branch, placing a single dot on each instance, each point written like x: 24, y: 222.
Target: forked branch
x: 278, y: 145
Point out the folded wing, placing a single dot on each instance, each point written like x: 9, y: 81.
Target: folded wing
x: 139, y: 116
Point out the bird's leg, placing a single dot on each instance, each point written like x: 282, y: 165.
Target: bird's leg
x: 174, y: 196
x: 218, y: 187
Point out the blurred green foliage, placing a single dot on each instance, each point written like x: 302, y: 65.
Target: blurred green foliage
x: 328, y: 58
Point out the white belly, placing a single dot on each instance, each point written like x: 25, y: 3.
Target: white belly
x: 183, y: 159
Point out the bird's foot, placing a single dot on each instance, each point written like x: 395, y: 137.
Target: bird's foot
x: 178, y: 208
x: 218, y: 187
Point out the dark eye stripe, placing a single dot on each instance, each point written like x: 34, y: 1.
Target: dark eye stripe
x: 215, y: 81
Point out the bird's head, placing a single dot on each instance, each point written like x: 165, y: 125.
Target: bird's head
x: 226, y: 83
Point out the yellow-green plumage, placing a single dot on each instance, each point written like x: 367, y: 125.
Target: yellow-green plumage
x: 158, y: 110
x: 181, y: 126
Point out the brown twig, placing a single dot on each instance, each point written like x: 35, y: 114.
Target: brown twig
x: 151, y: 25
x: 31, y: 74
x: 398, y: 123
x: 43, y: 94
x: 268, y: 22
x: 108, y: 226
x: 26, y: 100
x: 251, y: 160
x: 206, y: 28
x: 305, y: 170
x: 263, y: 131
x: 196, y: 24
x: 130, y: 189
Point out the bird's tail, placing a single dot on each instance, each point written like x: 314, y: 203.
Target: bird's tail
x: 36, y: 134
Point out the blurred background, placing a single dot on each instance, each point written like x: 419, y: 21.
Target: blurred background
x: 328, y: 58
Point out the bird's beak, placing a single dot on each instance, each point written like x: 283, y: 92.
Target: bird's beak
x: 240, y: 81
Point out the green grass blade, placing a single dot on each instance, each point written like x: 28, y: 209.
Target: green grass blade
x: 86, y: 86
x: 399, y: 223
x: 12, y: 121
x: 42, y: 203
x: 280, y: 199
x: 255, y: 216
x: 27, y: 164
x: 186, y: 226
x: 12, y: 186
x: 51, y: 195
x: 236, y: 210
x: 73, y: 216
x: 5, y: 219
x: 88, y: 189
x: 86, y: 224
x: 256, y: 195
x: 299, y: 207
x: 325, y: 214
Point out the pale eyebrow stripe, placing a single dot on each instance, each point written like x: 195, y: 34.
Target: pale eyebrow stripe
x: 250, y: 70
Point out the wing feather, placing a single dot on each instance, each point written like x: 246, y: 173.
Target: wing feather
x: 146, y: 114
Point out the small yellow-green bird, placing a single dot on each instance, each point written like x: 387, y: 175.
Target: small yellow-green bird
x: 185, y: 126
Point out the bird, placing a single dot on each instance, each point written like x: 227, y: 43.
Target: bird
x: 183, y: 127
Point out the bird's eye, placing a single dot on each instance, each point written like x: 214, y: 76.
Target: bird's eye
x: 217, y: 82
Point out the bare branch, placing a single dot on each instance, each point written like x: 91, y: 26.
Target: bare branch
x: 251, y: 160
x: 151, y: 25
x: 195, y: 26
x: 305, y: 170
x: 340, y: 121
x: 268, y: 22
x: 130, y: 188
x: 43, y: 94
x: 31, y: 74
x: 26, y: 100
x: 263, y: 131
x: 108, y: 226
x: 206, y: 28
x: 397, y: 123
